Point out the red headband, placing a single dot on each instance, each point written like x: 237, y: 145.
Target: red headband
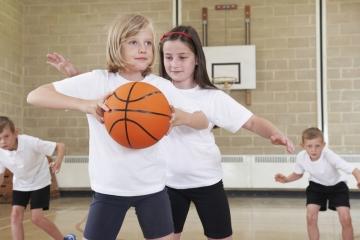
x: 168, y: 34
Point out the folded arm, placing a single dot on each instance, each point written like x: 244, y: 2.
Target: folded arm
x: 47, y: 96
x: 196, y: 120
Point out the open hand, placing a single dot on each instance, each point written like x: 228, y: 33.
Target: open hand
x: 280, y: 178
x: 283, y: 140
x: 61, y: 64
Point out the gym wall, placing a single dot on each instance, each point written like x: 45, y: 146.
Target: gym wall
x: 283, y: 32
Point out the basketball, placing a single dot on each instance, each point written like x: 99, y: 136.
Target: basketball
x: 139, y: 115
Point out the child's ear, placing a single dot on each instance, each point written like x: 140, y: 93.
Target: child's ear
x: 16, y: 132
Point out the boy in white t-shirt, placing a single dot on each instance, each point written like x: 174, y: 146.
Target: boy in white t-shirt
x: 326, y: 183
x: 25, y: 157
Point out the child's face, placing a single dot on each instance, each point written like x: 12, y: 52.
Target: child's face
x: 179, y: 63
x: 138, y: 50
x: 314, y: 147
x: 8, y: 139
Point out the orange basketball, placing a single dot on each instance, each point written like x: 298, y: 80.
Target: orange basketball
x: 139, y: 115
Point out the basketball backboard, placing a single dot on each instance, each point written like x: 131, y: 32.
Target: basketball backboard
x: 232, y: 66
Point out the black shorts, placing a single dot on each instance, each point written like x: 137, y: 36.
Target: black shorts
x: 107, y: 213
x: 38, y: 199
x: 211, y: 204
x: 337, y: 195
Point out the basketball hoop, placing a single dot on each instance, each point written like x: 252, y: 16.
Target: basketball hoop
x: 224, y: 83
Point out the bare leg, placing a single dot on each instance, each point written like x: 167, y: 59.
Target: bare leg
x: 312, y: 212
x: 38, y: 218
x: 17, y: 217
x: 177, y: 236
x: 345, y: 220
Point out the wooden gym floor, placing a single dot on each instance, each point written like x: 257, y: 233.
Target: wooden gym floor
x: 254, y: 218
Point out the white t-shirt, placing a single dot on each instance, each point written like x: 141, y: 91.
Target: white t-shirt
x: 193, y: 158
x: 325, y: 170
x: 114, y: 169
x: 28, y: 163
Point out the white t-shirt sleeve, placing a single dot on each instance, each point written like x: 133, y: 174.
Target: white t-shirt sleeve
x: 44, y: 147
x: 298, y: 167
x: 227, y: 113
x: 85, y: 86
x: 338, y: 162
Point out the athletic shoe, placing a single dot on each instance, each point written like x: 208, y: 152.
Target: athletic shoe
x: 70, y: 237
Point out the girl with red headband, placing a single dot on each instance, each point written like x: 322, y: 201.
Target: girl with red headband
x: 194, y: 161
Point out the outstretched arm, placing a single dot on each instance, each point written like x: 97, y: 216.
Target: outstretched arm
x: 60, y: 152
x: 62, y: 64
x: 285, y: 179
x: 47, y: 96
x: 266, y: 129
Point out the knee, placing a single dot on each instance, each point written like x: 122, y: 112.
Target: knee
x: 345, y: 220
x: 36, y: 218
x: 311, y: 219
x: 16, y: 217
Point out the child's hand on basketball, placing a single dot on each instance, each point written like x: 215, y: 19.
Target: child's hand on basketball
x: 279, y: 139
x: 61, y: 64
x: 96, y: 107
x: 280, y: 178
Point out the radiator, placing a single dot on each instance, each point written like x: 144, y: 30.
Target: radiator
x: 74, y: 173
x: 248, y: 172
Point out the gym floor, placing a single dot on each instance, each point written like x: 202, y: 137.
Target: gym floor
x: 253, y: 218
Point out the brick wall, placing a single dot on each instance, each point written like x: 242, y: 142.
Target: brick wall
x: 283, y: 32
x: 78, y: 30
x: 284, y: 35
x: 343, y: 33
x: 11, y: 61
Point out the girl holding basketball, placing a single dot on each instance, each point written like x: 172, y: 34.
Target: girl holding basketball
x: 194, y: 172
x: 121, y: 177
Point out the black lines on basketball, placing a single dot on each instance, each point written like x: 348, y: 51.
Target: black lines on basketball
x: 129, y: 120
x: 140, y: 115
x: 137, y: 99
x: 126, y: 113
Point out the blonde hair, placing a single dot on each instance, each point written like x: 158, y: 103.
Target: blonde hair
x: 312, y: 133
x: 122, y: 29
